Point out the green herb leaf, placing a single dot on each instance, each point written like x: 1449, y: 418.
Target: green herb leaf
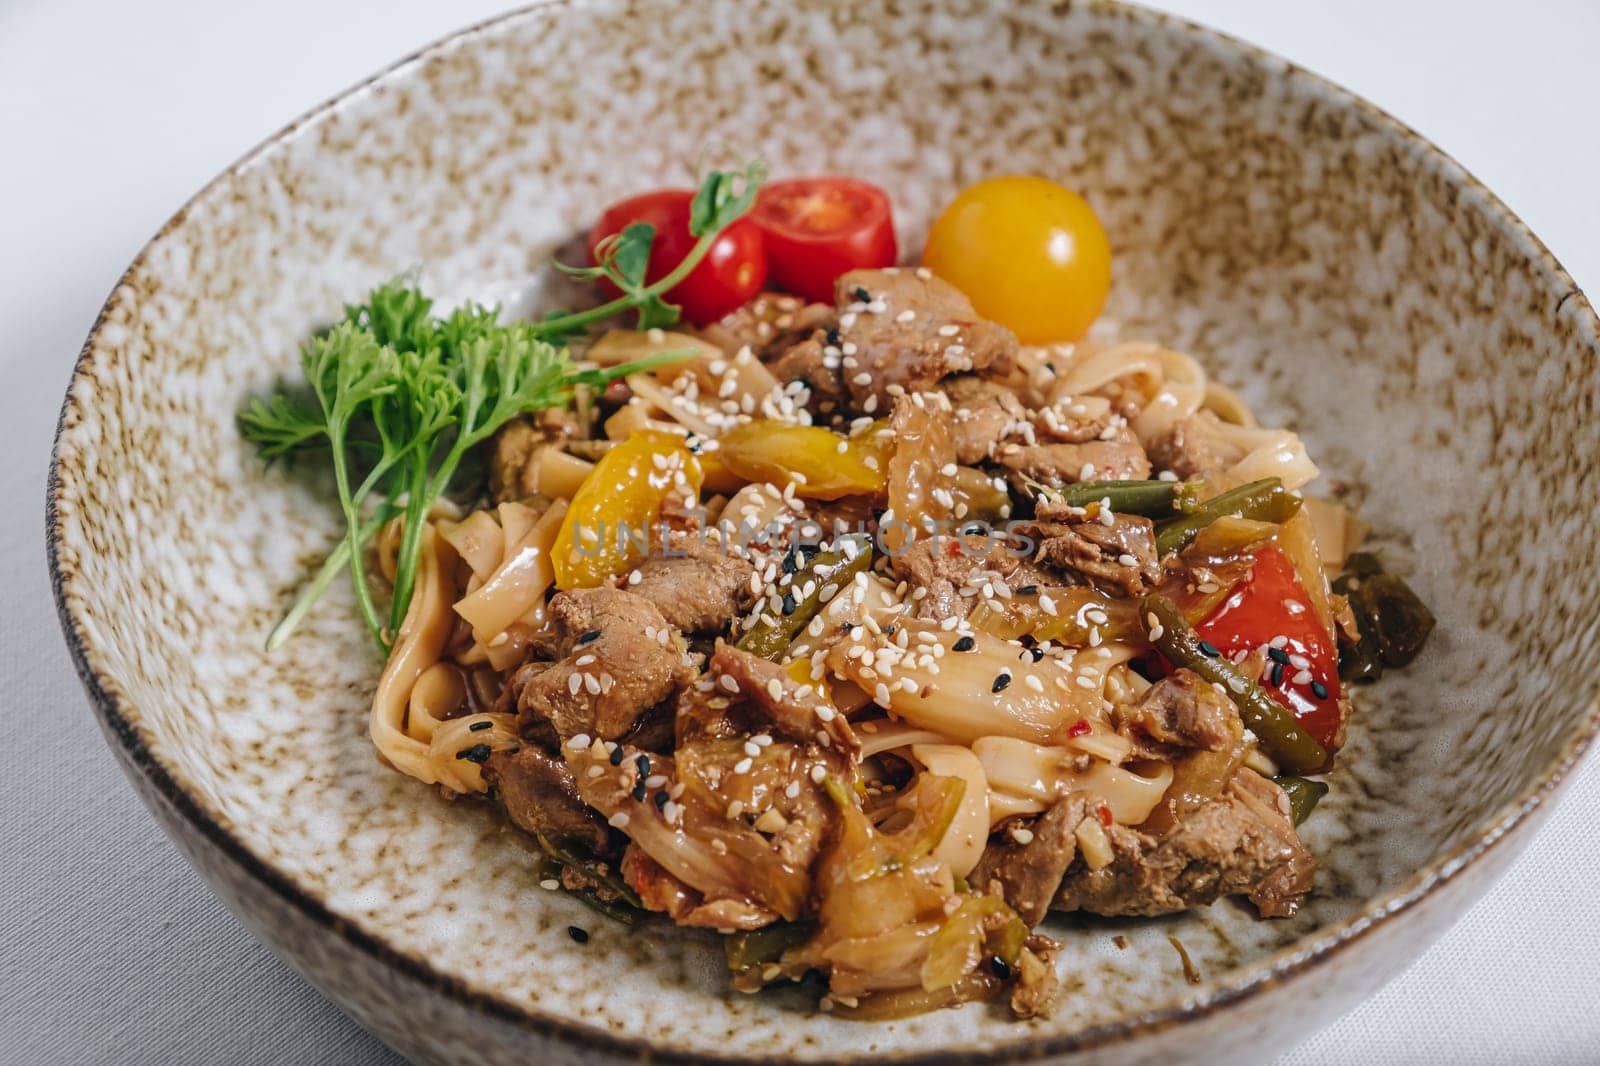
x: 631, y: 256
x: 723, y: 198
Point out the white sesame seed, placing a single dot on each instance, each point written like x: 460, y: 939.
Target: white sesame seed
x: 619, y: 820
x: 549, y: 884
x: 728, y: 684
x: 906, y: 316
x: 743, y: 765
x: 1022, y: 836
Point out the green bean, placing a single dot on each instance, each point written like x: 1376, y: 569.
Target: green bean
x: 1303, y: 795
x: 1260, y: 501
x: 834, y: 568
x: 758, y: 947
x: 1281, y: 735
x: 1151, y: 498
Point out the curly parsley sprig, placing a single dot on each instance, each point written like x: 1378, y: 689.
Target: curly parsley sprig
x: 397, y: 397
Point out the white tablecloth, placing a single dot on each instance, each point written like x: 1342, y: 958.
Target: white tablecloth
x: 112, y: 113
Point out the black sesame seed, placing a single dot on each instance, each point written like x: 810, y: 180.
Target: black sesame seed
x: 834, y: 338
x: 964, y: 644
x: 1000, y: 967
x: 1209, y: 650
x: 661, y: 800
x: 639, y: 791
x: 791, y: 561
x: 590, y: 637
x: 616, y: 755
x: 1000, y: 682
x: 478, y: 727
x: 478, y: 753
x: 890, y: 631
x: 862, y: 295
x: 1278, y: 655
x: 578, y: 933
x: 643, y: 763
x: 788, y: 604
x: 973, y: 531
x: 1277, y: 674
x: 1028, y: 590
x: 1319, y: 690
x: 1036, y: 653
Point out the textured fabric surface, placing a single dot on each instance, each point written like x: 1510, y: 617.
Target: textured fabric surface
x: 112, y: 951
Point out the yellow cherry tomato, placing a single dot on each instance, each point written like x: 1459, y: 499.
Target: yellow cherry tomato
x: 1029, y: 254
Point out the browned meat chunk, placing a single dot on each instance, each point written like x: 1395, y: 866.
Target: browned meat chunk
x: 513, y: 474
x: 1120, y: 556
x: 614, y: 666
x: 767, y: 325
x: 940, y: 568
x: 1180, y: 712
x: 906, y: 330
x: 1189, y: 449
x: 809, y: 361
x: 796, y: 713
x: 1118, y: 459
x: 697, y: 585
x: 1029, y: 875
x: 1242, y: 843
x: 985, y: 414
x: 541, y: 797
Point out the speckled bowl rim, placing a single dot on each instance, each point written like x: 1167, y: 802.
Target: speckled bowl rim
x: 121, y: 721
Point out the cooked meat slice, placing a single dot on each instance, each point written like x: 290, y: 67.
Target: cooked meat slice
x: 697, y: 585
x: 1278, y: 894
x: 513, y: 473
x: 767, y: 325
x: 906, y: 330
x: 986, y: 412
x: 798, y: 714
x: 1029, y: 875
x: 1180, y: 712
x: 943, y: 566
x: 603, y: 684
x: 809, y: 361
x: 1120, y: 556
x: 1189, y: 449
x: 1242, y: 843
x: 1118, y: 459
x: 541, y: 797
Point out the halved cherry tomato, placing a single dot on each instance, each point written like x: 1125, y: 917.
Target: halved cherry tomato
x: 819, y: 228
x: 1029, y: 254
x: 1270, y: 603
x: 726, y: 279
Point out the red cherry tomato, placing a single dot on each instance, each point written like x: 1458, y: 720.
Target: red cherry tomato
x: 725, y: 280
x: 819, y: 228
x: 1270, y: 603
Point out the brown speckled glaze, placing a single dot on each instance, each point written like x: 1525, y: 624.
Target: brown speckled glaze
x: 1350, y: 279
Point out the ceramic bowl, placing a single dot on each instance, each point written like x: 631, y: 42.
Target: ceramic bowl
x: 1349, y: 278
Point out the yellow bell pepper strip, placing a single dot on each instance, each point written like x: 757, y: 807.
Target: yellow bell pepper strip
x: 821, y: 464
x: 618, y: 505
